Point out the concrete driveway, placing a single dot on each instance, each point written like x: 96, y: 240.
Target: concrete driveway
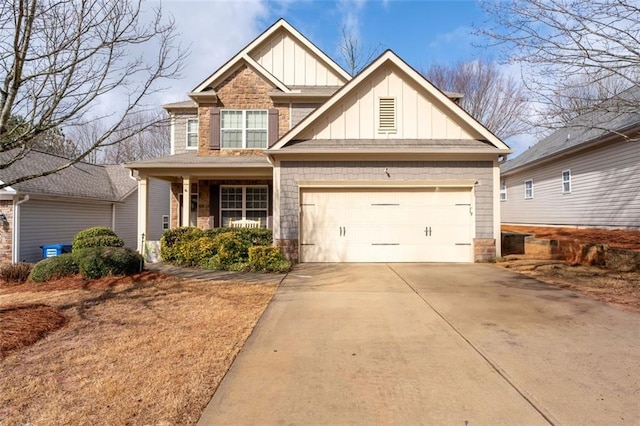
x: 432, y: 344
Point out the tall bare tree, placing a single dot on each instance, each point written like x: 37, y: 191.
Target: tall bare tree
x: 60, y: 59
x: 354, y: 53
x: 494, y: 98
x: 574, y: 54
x: 150, y: 142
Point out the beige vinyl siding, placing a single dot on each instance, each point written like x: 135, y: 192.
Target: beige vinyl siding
x: 45, y: 222
x: 126, y: 220
x: 419, y: 115
x: 605, y: 190
x: 293, y: 63
x: 300, y: 111
x: 179, y: 129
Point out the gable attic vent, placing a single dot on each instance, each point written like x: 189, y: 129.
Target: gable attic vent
x: 387, y: 116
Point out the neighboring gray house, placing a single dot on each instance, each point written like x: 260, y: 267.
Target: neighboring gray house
x: 586, y: 174
x: 381, y: 167
x: 52, y: 209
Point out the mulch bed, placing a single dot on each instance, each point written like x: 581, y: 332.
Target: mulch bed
x: 618, y: 238
x: 22, y: 326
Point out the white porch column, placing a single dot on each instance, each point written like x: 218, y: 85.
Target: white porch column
x: 186, y: 200
x: 143, y: 210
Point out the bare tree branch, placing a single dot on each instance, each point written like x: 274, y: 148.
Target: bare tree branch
x: 60, y: 60
x: 354, y: 54
x: 576, y: 54
x: 493, y: 98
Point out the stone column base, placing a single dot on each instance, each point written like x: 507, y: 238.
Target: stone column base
x: 289, y: 249
x: 484, y: 249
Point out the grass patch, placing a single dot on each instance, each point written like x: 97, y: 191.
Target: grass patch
x: 146, y: 349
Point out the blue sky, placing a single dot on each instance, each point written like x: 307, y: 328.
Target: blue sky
x: 421, y: 32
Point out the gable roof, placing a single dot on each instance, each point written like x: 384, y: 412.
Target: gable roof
x: 389, y: 57
x: 243, y: 57
x: 111, y: 183
x: 582, y: 131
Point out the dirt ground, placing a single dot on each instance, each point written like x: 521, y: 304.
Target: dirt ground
x: 619, y: 238
x: 619, y: 288
x: 144, y: 350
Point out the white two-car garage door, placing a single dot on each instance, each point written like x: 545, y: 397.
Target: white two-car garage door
x: 386, y: 225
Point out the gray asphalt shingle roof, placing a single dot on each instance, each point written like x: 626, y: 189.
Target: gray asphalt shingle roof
x: 192, y: 158
x: 583, y: 129
x: 391, y: 144
x: 83, y: 180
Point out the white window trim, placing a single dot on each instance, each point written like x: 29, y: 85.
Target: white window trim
x: 568, y: 181
x: 503, y: 191
x: 244, y: 129
x: 244, y: 200
x: 187, y: 133
x: 530, y: 197
x: 166, y: 222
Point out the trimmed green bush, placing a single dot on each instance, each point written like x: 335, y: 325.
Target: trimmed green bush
x: 16, y: 272
x: 172, y: 242
x: 230, y: 250
x: 54, y: 267
x: 268, y: 259
x: 98, y: 262
x: 196, y: 252
x: 98, y: 236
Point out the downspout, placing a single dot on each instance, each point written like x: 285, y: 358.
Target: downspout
x: 113, y: 216
x: 15, y: 235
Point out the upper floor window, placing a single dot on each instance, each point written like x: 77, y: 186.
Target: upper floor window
x: 566, y: 181
x: 503, y: 191
x: 192, y: 133
x: 528, y: 189
x: 243, y: 129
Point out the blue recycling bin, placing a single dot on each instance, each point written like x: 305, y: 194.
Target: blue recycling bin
x: 52, y: 250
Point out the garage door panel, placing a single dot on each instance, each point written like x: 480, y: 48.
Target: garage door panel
x: 386, y: 225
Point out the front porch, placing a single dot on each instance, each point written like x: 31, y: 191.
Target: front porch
x: 219, y: 189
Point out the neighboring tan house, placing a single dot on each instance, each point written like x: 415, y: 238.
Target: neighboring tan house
x: 381, y: 167
x: 585, y: 174
x: 52, y: 209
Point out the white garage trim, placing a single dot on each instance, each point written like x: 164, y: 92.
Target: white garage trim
x: 442, y: 183
x: 397, y: 222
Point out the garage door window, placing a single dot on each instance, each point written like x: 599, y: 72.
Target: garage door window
x: 244, y: 202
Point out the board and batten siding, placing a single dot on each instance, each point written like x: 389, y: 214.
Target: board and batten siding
x: 419, y: 115
x: 291, y: 172
x: 44, y: 222
x: 179, y: 132
x: 293, y: 63
x: 605, y: 190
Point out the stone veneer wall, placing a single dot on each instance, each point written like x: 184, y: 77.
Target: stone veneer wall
x: 6, y: 232
x: 293, y: 171
x: 243, y: 89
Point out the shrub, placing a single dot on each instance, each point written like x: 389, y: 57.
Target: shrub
x: 98, y: 236
x: 98, y: 262
x: 15, y: 273
x: 196, y: 252
x: 230, y: 250
x: 268, y: 259
x: 172, y: 240
x: 54, y: 267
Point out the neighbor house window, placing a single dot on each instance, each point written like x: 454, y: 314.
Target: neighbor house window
x: 243, y: 129
x: 566, y: 181
x: 192, y: 133
x: 165, y: 222
x: 503, y: 191
x: 244, y: 202
x: 528, y: 189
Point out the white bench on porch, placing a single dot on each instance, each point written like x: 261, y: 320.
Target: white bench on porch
x: 245, y: 223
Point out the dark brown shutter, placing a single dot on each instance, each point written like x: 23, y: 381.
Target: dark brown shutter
x: 214, y: 137
x: 273, y: 127
x: 214, y: 204
x: 270, y: 205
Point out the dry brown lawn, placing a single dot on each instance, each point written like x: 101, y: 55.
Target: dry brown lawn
x: 147, y: 350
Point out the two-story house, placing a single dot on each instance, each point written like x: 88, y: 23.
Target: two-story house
x: 381, y: 167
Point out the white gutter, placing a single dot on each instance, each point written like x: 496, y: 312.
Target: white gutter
x: 15, y: 235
